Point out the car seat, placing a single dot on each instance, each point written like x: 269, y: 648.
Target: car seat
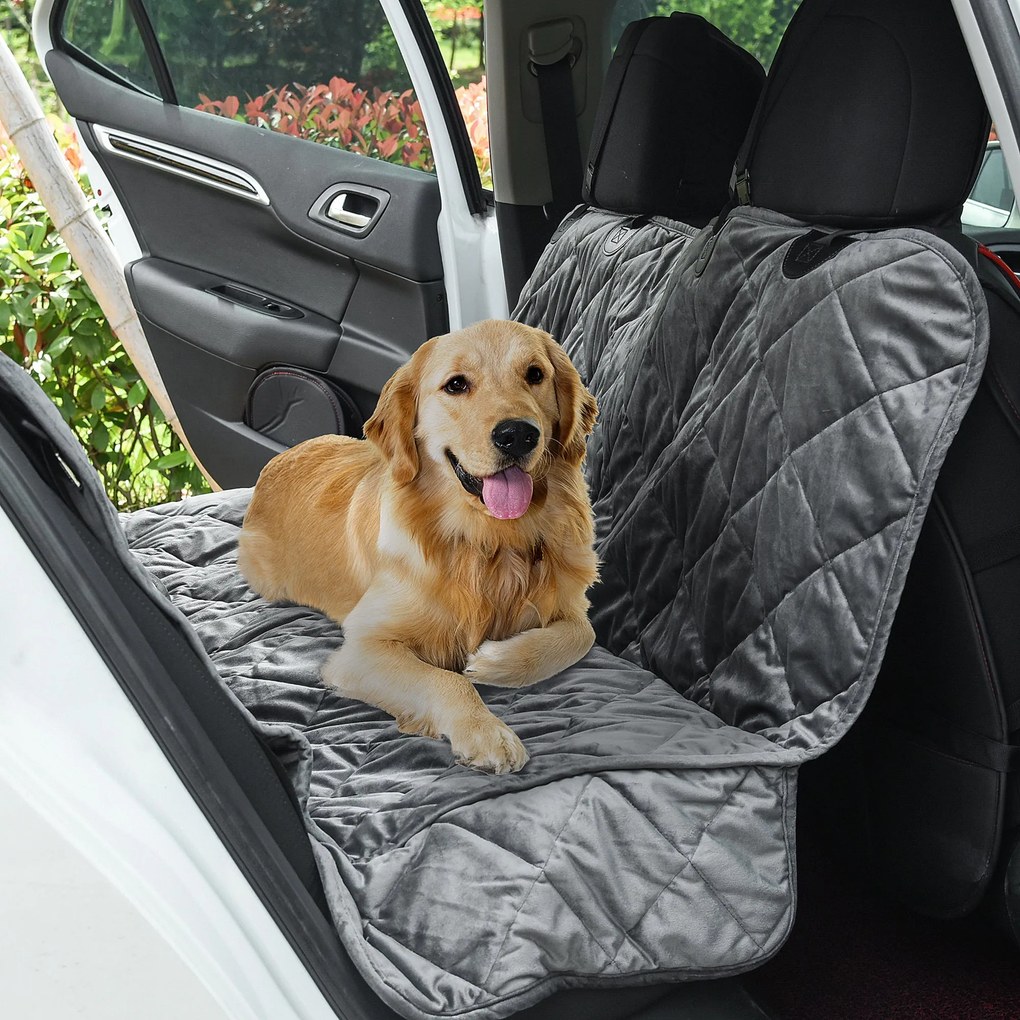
x: 921, y: 790
x: 649, y: 187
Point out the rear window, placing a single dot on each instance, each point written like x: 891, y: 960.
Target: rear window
x: 756, y: 25
x: 993, y: 186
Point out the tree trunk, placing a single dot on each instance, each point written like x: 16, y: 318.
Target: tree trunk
x: 454, y: 32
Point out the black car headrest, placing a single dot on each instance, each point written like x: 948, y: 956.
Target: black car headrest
x: 872, y: 117
x: 676, y: 103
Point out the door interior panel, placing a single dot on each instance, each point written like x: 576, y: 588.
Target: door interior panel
x: 246, y: 270
x: 387, y: 318
x: 293, y: 172
x: 209, y: 312
x: 192, y: 224
x: 209, y: 396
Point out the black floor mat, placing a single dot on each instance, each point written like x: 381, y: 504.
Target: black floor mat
x: 855, y: 954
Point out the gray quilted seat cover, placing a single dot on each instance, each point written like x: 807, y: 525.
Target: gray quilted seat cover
x: 766, y: 453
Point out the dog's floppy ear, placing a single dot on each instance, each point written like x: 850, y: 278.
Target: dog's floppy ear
x: 577, y: 406
x: 391, y: 427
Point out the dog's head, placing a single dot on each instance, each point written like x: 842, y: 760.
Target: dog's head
x: 494, y: 406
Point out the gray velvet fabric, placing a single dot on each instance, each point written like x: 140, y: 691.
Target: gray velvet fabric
x: 614, y: 855
x: 765, y: 455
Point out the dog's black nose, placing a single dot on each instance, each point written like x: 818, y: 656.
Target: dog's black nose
x: 515, y: 437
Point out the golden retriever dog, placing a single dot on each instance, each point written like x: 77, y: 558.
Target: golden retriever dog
x: 454, y: 543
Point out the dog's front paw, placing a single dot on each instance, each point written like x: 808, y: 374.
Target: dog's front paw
x: 491, y: 665
x: 487, y: 744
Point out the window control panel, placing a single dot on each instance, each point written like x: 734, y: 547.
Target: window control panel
x: 252, y: 299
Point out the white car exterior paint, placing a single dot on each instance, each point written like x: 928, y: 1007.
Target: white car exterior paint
x: 72, y: 745
x: 472, y: 266
x: 71, y: 944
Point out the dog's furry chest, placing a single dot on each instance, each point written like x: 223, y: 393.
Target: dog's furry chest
x: 485, y: 598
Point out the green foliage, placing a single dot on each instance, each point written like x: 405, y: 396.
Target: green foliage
x: 757, y: 25
x: 106, y: 30
x: 51, y: 324
x: 384, y: 125
x: 459, y: 26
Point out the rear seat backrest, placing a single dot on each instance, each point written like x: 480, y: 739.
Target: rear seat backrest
x: 607, y: 280
x: 758, y: 427
x: 918, y: 790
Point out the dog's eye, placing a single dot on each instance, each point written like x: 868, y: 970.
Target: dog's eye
x: 534, y: 375
x: 458, y: 384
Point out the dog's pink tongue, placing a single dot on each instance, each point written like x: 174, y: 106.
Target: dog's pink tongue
x: 507, y: 495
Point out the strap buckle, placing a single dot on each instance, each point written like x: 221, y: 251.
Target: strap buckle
x: 743, y: 187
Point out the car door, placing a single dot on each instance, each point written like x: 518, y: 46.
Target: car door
x: 293, y: 195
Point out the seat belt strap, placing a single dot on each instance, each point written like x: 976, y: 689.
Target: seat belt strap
x: 553, y: 53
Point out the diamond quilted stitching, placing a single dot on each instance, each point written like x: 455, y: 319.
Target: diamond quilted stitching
x: 788, y: 489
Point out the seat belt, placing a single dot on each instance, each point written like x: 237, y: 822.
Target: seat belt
x: 553, y: 50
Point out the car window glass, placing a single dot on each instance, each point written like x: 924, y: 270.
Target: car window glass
x: 106, y: 32
x: 757, y: 25
x: 993, y: 186
x: 317, y: 69
x: 324, y: 70
x: 991, y: 204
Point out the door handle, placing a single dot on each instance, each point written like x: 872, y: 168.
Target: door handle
x: 352, y: 210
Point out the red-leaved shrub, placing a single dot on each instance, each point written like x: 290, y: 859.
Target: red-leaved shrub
x: 472, y: 101
x: 385, y: 125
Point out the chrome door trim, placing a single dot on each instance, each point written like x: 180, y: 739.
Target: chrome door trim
x: 182, y: 162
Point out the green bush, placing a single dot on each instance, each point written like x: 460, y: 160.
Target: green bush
x: 340, y: 113
x: 51, y: 323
